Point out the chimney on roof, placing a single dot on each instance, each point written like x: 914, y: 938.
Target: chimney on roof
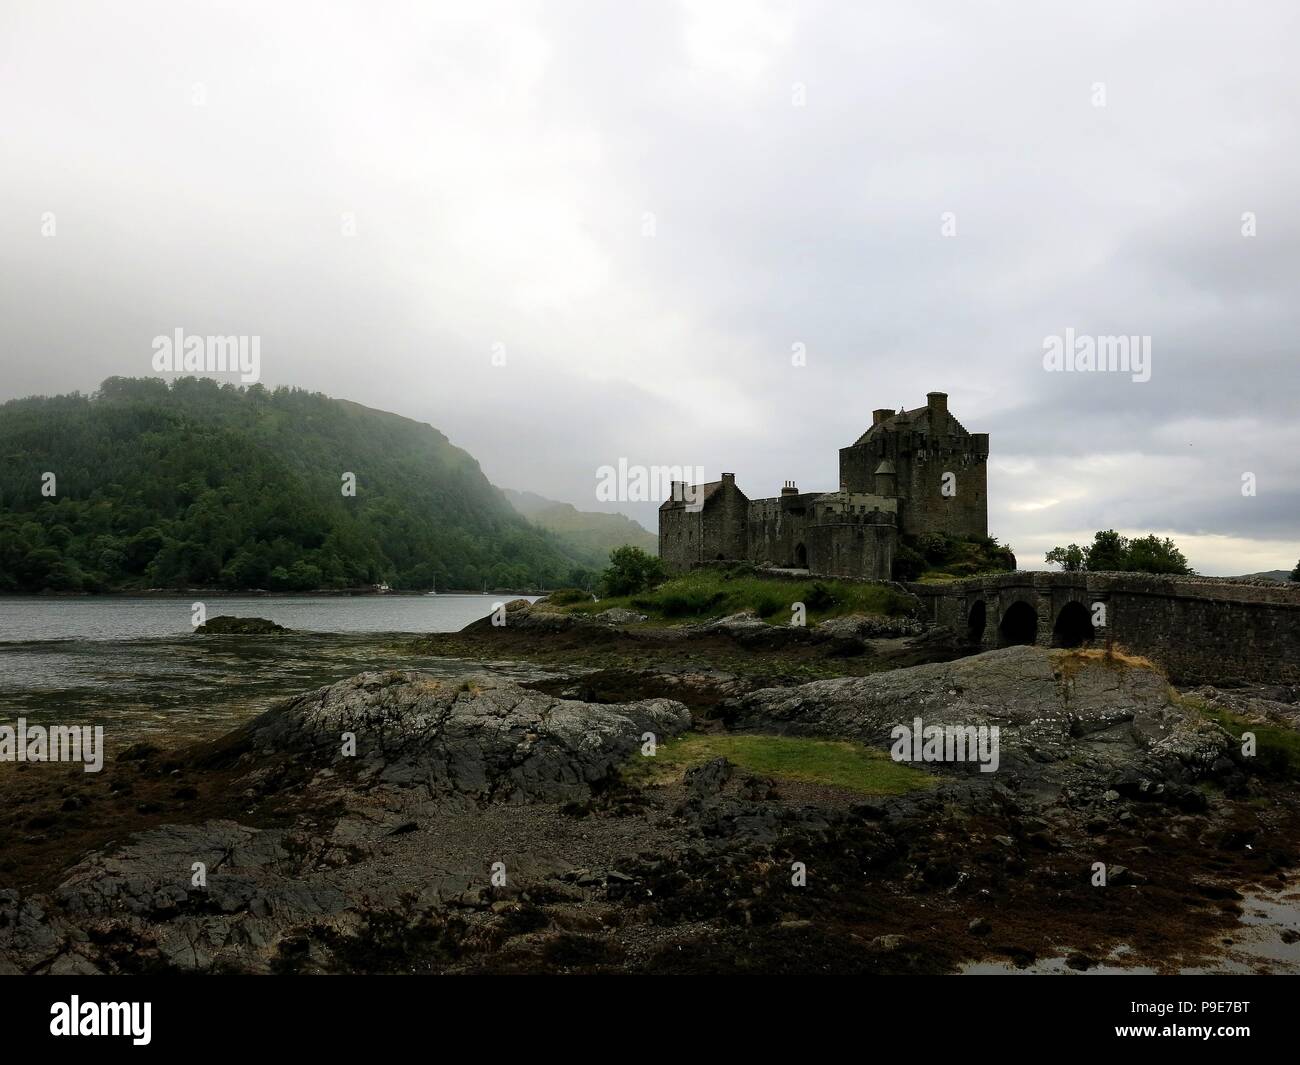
x: 938, y: 404
x: 788, y: 489
x: 881, y: 414
x: 728, y: 478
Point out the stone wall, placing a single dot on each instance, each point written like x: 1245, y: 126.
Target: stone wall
x: 853, y: 547
x: 777, y: 529
x: 726, y: 522
x: 925, y: 509
x: 680, y: 538
x: 717, y: 531
x: 1200, y: 629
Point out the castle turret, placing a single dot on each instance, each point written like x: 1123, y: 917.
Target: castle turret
x: 886, y: 479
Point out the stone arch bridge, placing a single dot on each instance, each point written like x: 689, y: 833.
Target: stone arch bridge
x: 1200, y: 629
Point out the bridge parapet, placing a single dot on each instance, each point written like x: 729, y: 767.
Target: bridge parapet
x: 1252, y: 590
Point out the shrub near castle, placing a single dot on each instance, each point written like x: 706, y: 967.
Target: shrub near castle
x: 710, y: 593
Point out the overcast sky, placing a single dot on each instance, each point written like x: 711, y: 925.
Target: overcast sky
x: 645, y: 207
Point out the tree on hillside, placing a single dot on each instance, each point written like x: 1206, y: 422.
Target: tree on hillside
x: 581, y: 577
x: 1111, y: 552
x: 203, y: 484
x: 1295, y: 573
x: 630, y: 570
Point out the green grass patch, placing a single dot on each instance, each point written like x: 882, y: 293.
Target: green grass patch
x: 568, y: 596
x: 710, y: 593
x: 1276, y: 747
x: 838, y: 763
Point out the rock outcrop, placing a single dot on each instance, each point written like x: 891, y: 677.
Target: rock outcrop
x: 868, y: 627
x: 1061, y: 716
x: 485, y: 740
x: 227, y: 625
x: 848, y: 635
x: 438, y: 768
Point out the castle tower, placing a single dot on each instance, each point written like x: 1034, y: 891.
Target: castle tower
x: 923, y: 451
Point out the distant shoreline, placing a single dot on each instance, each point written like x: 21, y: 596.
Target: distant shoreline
x: 257, y: 593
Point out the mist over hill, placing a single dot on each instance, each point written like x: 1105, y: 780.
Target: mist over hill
x: 588, y: 535
x: 200, y: 484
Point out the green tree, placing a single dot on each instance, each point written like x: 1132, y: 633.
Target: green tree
x: 38, y: 569
x: 630, y: 570
x: 1295, y: 573
x: 304, y: 577
x: 581, y: 577
x: 142, y: 549
x: 1070, y: 558
x: 1150, y: 554
x: 1111, y: 552
x: 66, y: 576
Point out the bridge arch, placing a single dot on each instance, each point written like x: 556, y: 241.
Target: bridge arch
x: 1073, y: 626
x: 1019, y: 624
x: 976, y: 622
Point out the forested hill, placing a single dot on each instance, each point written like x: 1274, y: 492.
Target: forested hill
x: 207, y: 485
x: 587, y: 535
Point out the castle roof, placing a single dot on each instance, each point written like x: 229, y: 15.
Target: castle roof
x: 917, y: 419
x: 886, y: 467
x: 710, y: 490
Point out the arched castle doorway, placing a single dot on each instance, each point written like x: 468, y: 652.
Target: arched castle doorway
x: 800, y: 556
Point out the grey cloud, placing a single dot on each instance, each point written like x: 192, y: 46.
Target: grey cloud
x: 499, y: 159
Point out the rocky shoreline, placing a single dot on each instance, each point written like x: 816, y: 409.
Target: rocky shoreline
x: 398, y: 822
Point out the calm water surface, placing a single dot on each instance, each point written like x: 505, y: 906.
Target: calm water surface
x: 113, y: 618
x: 136, y: 666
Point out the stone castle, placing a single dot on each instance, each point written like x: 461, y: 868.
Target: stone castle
x: 912, y: 473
